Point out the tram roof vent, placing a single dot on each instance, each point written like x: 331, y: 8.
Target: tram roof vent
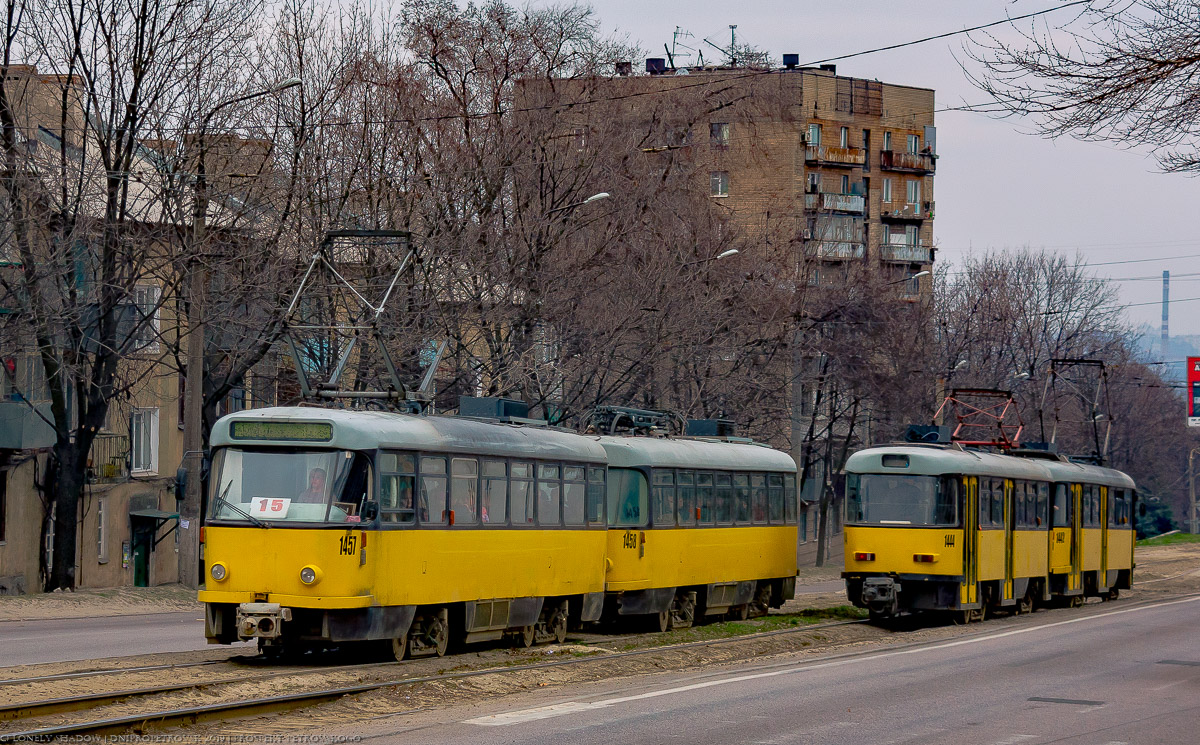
x: 492, y: 407
x: 928, y: 434
x: 710, y: 428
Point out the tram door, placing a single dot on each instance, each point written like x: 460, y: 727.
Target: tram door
x: 1076, y: 537
x: 970, y: 588
x: 1010, y: 516
x: 1102, y: 581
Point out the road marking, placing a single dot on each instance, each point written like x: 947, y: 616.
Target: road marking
x: 1072, y: 701
x: 1014, y: 739
x: 1190, y: 663
x: 569, y: 707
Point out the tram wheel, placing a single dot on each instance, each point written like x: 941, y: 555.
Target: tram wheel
x: 524, y: 637
x: 739, y: 612
x: 1025, y: 604
x: 1076, y: 601
x: 1113, y: 594
x: 439, y: 632
x: 400, y: 647
x: 559, y: 627
x: 661, y: 622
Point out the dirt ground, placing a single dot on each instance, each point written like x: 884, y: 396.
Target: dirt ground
x: 115, y: 601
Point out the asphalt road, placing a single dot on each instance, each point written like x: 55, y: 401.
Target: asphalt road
x: 69, y: 639
x: 1116, y: 674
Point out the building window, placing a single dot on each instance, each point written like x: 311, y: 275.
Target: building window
x: 845, y: 184
x: 914, y: 143
x: 143, y: 438
x: 719, y: 183
x: 887, y: 190
x: 866, y: 149
x: 3, y: 504
x: 814, y: 183
x: 844, y: 137
x: 718, y: 133
x: 912, y: 235
x: 887, y: 140
x: 914, y: 192
x: 101, y: 533
x: 814, y: 134
x: 579, y: 137
x: 145, y: 318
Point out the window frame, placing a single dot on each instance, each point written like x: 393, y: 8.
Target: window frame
x: 720, y: 134
x: 149, y: 418
x: 718, y: 183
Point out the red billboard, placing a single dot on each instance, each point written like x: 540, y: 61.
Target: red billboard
x: 1193, y: 391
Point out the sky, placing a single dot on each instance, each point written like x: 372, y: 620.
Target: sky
x: 998, y: 185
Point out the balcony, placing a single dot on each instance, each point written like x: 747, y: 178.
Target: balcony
x: 108, y: 459
x: 905, y: 253
x: 835, y: 202
x: 834, y: 250
x: 835, y: 156
x: 906, y: 210
x: 895, y: 160
x: 24, y: 427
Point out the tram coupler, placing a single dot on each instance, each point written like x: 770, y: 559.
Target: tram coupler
x: 881, y: 595
x: 261, y: 620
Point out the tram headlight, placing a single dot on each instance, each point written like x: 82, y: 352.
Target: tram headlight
x: 218, y: 572
x: 310, y: 575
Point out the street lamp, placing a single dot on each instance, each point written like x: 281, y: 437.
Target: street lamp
x: 918, y: 275
x: 724, y: 254
x: 589, y: 200
x: 193, y: 445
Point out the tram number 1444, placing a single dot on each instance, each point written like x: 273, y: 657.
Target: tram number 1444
x: 348, y: 544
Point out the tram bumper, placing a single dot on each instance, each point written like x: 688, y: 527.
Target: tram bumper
x: 261, y: 620
x: 881, y: 595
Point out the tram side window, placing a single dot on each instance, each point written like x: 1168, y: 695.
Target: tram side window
x: 1043, y: 499
x: 704, y: 497
x: 741, y: 495
x: 758, y: 498
x: 724, y: 491
x: 628, y: 498
x: 520, y: 494
x: 1028, y: 504
x: 549, y: 491
x: 997, y: 502
x: 595, y: 496
x: 574, y: 499
x: 398, y: 472
x: 1089, y: 515
x: 685, y: 492
x: 775, y: 498
x: 464, y: 490
x: 789, y: 499
x: 493, y: 498
x: 663, y: 509
x: 1061, y: 517
x: 985, y: 503
x: 1118, y: 511
x: 432, y: 506
x: 946, y: 506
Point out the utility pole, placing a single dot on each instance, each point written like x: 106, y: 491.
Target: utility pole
x: 193, y: 421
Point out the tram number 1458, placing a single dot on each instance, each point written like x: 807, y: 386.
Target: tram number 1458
x: 348, y: 543
x: 630, y: 540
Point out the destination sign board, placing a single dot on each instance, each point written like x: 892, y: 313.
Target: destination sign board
x: 277, y: 430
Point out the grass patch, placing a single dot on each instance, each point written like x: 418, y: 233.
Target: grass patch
x: 731, y: 629
x: 1170, y: 540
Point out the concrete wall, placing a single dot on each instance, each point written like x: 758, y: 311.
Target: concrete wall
x: 19, y: 551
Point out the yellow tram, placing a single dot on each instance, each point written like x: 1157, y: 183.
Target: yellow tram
x: 698, y: 528
x: 330, y: 526
x: 939, y: 527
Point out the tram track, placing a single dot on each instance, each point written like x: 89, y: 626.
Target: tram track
x: 279, y: 703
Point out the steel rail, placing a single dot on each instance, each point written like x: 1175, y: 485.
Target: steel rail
x: 271, y: 704
x: 109, y: 671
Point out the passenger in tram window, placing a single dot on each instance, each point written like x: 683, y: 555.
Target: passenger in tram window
x: 315, y: 493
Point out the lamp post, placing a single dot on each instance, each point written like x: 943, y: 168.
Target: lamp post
x: 1193, y: 518
x: 589, y: 200
x: 918, y: 275
x: 193, y: 430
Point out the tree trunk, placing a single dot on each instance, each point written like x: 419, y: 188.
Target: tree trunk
x: 68, y: 483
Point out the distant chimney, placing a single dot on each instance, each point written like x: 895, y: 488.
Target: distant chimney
x: 791, y: 60
x: 830, y: 68
x: 656, y: 65
x: 624, y: 68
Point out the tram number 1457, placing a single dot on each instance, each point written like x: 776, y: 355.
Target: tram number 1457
x: 348, y: 543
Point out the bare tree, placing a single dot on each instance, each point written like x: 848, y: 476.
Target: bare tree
x: 1121, y: 71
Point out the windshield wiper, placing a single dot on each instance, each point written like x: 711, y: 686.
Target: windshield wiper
x: 221, y: 501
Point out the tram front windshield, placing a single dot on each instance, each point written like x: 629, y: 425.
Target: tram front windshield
x: 887, y: 499
x: 292, y: 486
